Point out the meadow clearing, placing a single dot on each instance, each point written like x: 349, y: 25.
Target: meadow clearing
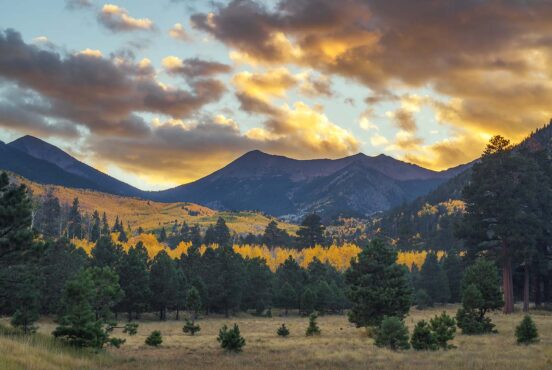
x: 341, y: 346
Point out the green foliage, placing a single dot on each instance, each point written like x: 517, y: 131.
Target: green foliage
x: 308, y: 301
x: 392, y: 334
x: 287, y: 298
x: 191, y: 327
x: 231, y: 339
x: 311, y: 232
x: 433, y: 280
x: 193, y: 301
x: 131, y: 328
x: 422, y: 299
x: 480, y: 295
x: 135, y: 280
x: 526, y: 331
x: 422, y: 337
x: 378, y: 286
x: 283, y: 331
x: 27, y: 297
x: 154, y: 339
x: 453, y: 267
x: 443, y: 328
x: 274, y: 236
x: 163, y: 282
x: 313, y: 328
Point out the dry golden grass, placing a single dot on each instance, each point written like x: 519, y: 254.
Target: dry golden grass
x: 152, y: 215
x: 341, y: 346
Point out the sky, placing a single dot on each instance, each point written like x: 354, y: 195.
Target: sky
x: 161, y: 93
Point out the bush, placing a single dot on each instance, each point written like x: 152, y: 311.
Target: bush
x: 423, y: 300
x: 422, y: 337
x: 313, y: 328
x: 154, y: 339
x: 131, y: 328
x: 443, y: 328
x: 526, y: 331
x: 231, y: 339
x: 190, y: 327
x: 393, y: 334
x: 283, y: 331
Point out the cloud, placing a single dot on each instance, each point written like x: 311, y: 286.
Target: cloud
x: 117, y: 19
x: 488, y: 60
x: 105, y: 96
x: 177, y: 32
x: 194, y: 67
x: 78, y: 4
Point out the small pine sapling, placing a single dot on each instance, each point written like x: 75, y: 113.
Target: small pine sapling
x: 313, y: 328
x: 526, y: 331
x: 422, y: 337
x: 231, y: 339
x: 443, y: 328
x: 191, y: 327
x: 283, y: 331
x: 392, y: 334
x: 154, y: 339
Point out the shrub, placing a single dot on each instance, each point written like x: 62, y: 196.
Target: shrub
x: 131, y: 328
x: 526, y: 331
x: 283, y: 331
x: 422, y: 337
x: 190, y: 327
x: 471, y: 316
x: 443, y: 328
x: 313, y: 328
x: 393, y: 334
x: 154, y: 339
x: 231, y: 339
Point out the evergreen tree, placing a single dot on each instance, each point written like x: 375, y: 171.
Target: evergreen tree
x: 392, y: 333
x: 378, y: 286
x: 59, y: 263
x: 283, y: 331
x: 48, y: 218
x: 453, y: 268
x: 287, y: 298
x: 74, y: 225
x: 162, y: 235
x: 274, y: 236
x: 163, y: 283
x: 195, y: 236
x: 221, y: 233
x: 311, y: 232
x: 193, y: 302
x: 308, y: 302
x: 313, y: 328
x: 191, y: 327
x: 134, y: 277
x: 422, y: 337
x: 154, y: 339
x: 96, y: 227
x: 28, y: 299
x: 526, y: 331
x: 324, y: 297
x: 105, y: 226
x: 434, y: 280
x: 443, y: 328
x: 231, y: 339
x: 106, y: 253
x: 107, y: 292
x: 258, y: 284
x: 122, y: 237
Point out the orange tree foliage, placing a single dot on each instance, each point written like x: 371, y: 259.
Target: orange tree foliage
x: 338, y: 256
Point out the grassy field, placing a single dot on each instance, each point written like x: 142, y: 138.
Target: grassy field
x: 341, y: 346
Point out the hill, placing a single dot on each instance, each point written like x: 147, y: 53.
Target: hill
x: 152, y: 215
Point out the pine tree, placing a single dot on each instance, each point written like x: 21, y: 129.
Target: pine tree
x: 75, y: 221
x: 231, y: 339
x: 443, y: 328
x: 378, y: 286
x: 526, y: 331
x: 422, y: 337
x: 193, y: 302
x: 191, y: 327
x: 453, y: 268
x: 222, y: 233
x: 313, y: 328
x: 283, y: 331
x: 162, y: 235
x: 96, y: 227
x: 434, y: 280
x: 393, y: 334
x: 308, y: 301
x: 287, y: 298
x: 48, y: 217
x: 134, y: 276
x: 311, y: 232
x: 154, y: 339
x: 163, y: 283
x: 106, y: 253
x: 105, y: 226
x: 28, y: 300
x: 107, y: 291
x: 122, y: 237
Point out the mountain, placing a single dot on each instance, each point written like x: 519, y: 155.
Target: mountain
x: 357, y: 185
x: 97, y: 180
x: 38, y: 170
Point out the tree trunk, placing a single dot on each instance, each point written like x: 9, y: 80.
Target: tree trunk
x: 526, y: 288
x: 507, y: 285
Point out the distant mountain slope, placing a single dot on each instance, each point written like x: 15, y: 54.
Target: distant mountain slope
x: 14, y: 160
x: 42, y: 150
x: 358, y: 185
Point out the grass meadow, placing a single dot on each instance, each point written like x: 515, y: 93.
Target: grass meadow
x: 341, y: 346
